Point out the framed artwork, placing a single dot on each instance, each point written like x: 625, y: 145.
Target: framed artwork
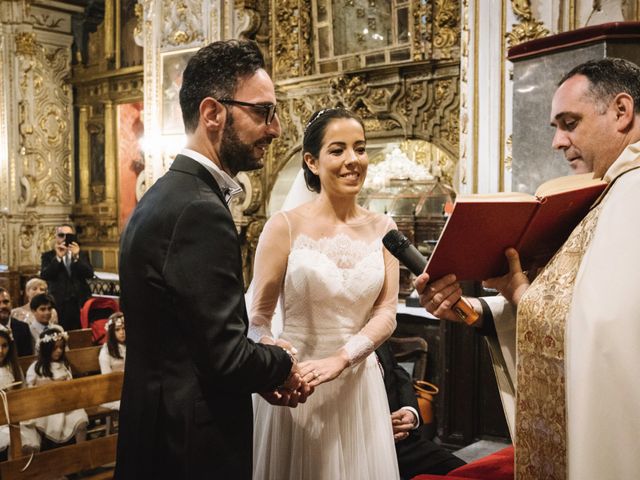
x: 173, y: 64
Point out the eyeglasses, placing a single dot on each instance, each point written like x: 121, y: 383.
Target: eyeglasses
x: 60, y: 235
x: 268, y: 109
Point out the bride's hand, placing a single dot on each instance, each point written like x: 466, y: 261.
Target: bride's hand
x: 316, y: 372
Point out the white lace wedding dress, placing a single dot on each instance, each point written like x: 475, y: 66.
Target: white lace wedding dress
x: 338, y: 289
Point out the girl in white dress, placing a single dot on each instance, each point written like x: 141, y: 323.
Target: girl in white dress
x: 338, y: 287
x: 52, y: 366
x: 11, y: 376
x: 113, y: 351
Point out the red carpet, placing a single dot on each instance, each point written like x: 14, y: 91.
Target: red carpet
x: 497, y: 466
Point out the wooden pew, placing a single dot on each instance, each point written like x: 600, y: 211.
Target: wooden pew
x: 84, y: 361
x: 80, y: 338
x: 28, y: 403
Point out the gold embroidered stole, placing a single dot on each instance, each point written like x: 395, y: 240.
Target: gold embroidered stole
x: 541, y: 424
x: 541, y: 416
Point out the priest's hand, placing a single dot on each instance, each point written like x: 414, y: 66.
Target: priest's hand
x: 512, y: 285
x: 439, y: 297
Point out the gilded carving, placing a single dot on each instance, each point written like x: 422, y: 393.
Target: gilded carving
x: 251, y: 235
x: 138, y: 11
x: 47, y: 20
x: 247, y: 22
x: 508, y: 153
x: 4, y: 242
x: 99, y: 230
x: 446, y: 28
x: 26, y: 43
x: 465, y: 39
x: 291, y: 38
x: 43, y: 126
x: 182, y: 25
x: 52, y: 124
x: 422, y: 12
x: 529, y: 28
x: 33, y: 238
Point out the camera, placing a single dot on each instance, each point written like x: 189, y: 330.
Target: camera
x: 69, y: 238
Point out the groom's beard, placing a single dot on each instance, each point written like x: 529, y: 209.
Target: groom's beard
x: 236, y: 155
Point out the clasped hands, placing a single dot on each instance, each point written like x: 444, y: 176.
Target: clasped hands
x: 304, y: 377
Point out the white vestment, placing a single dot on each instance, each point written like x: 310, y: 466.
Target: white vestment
x: 602, y: 338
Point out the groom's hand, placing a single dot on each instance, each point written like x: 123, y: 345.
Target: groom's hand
x: 288, y: 398
x: 279, y: 398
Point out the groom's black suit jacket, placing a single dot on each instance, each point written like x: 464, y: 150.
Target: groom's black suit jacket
x: 186, y: 408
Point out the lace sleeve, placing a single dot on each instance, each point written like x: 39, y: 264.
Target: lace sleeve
x: 382, y: 321
x: 268, y: 274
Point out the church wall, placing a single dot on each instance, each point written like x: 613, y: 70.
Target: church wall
x: 36, y: 133
x: 489, y: 28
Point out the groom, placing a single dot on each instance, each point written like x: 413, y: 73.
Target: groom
x: 186, y: 402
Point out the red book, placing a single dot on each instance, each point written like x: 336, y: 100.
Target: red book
x: 482, y: 227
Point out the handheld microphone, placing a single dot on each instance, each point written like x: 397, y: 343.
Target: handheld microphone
x: 401, y: 248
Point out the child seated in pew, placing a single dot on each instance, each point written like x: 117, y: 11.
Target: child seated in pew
x: 113, y: 351
x: 11, y: 375
x: 42, y: 308
x: 52, y: 366
x: 34, y: 287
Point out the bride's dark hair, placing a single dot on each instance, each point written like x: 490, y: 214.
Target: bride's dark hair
x: 314, y: 135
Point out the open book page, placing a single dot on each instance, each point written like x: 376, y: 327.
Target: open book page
x: 568, y: 183
x: 554, y: 220
x: 482, y: 227
x: 497, y: 197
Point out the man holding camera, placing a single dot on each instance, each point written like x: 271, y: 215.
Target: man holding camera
x: 66, y: 269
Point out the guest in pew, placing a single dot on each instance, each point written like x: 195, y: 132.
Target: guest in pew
x: 34, y: 286
x: 417, y: 453
x: 42, y: 308
x: 52, y: 366
x: 11, y: 375
x: 113, y: 351
x: 20, y: 330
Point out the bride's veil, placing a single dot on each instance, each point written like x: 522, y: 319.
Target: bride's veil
x: 297, y: 195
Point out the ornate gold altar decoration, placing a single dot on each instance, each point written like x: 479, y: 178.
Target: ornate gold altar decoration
x: 102, y: 84
x: 182, y: 22
x: 292, y: 53
x: 436, y: 27
x: 529, y: 28
x: 417, y: 106
x: 508, y: 154
x: 44, y: 116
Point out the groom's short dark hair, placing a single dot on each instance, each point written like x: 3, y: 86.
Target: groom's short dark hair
x: 214, y: 72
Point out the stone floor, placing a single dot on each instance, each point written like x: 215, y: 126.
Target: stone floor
x: 479, y: 449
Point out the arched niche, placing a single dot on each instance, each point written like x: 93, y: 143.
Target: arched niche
x: 438, y: 162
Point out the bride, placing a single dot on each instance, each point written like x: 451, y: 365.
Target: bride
x: 338, y: 289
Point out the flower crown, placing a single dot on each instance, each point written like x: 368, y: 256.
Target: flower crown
x: 8, y: 330
x: 117, y: 320
x: 53, y: 334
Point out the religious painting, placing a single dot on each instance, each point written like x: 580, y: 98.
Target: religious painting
x: 173, y: 64
x: 130, y: 157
